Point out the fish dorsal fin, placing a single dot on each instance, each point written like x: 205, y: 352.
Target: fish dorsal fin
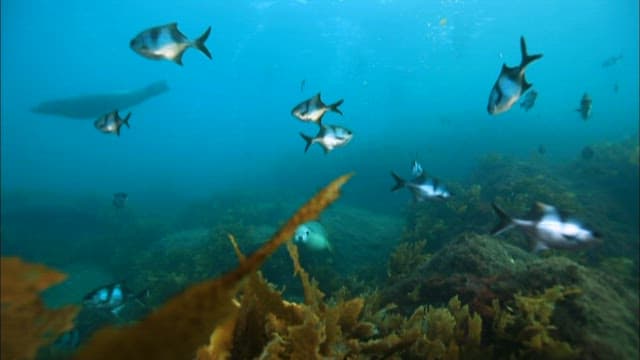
x: 172, y: 26
x: 422, y: 178
x: 317, y: 101
x: 547, y: 212
x: 538, y: 211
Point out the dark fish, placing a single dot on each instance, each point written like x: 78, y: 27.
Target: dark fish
x: 547, y: 229
x: 313, y: 109
x: 422, y: 187
x: 68, y: 340
x: 529, y: 100
x: 113, y: 298
x: 111, y: 123
x: 329, y: 137
x: 511, y: 83
x: 541, y: 149
x: 585, y: 106
x: 616, y: 88
x: 302, y: 83
x: 92, y: 106
x: 611, y: 61
x: 120, y: 199
x: 168, y: 43
x: 587, y: 153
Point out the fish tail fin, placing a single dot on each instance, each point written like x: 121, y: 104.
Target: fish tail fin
x: 526, y: 58
x: 334, y: 107
x: 126, y: 120
x: 505, y: 223
x: 400, y: 182
x: 199, y: 42
x: 308, y: 139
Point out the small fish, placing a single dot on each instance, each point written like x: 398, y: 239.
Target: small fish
x: 416, y: 169
x: 611, y: 61
x: 313, y: 235
x: 511, y: 83
x: 585, y: 107
x: 120, y: 199
x: 329, y: 137
x: 541, y: 149
x: 616, y: 87
x: 422, y: 187
x: 587, y: 153
x: 313, y: 109
x: 113, y: 297
x: 302, y: 83
x: 547, y: 229
x: 168, y: 43
x: 529, y: 100
x: 111, y: 123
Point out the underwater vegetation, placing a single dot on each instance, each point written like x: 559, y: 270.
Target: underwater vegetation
x: 485, y: 272
x: 26, y: 323
x: 185, y: 322
x: 446, y: 292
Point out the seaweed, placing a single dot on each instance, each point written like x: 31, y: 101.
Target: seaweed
x: 27, y: 324
x: 529, y: 326
x: 178, y: 328
x: 406, y: 257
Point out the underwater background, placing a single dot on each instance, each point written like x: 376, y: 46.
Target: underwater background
x: 219, y: 152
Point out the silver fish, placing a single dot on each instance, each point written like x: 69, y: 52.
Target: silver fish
x: 511, y: 83
x: 329, y: 137
x: 423, y: 188
x: 313, y: 109
x: 111, y: 123
x: 168, y: 43
x: 547, y: 229
x: 585, y: 107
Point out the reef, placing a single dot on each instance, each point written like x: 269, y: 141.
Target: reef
x: 26, y: 323
x: 557, y: 301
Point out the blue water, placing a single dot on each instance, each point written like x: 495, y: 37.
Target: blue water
x: 398, y: 70
x: 415, y: 77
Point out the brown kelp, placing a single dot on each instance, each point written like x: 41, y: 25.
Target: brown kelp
x: 27, y: 324
x: 264, y: 325
x: 177, y: 329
